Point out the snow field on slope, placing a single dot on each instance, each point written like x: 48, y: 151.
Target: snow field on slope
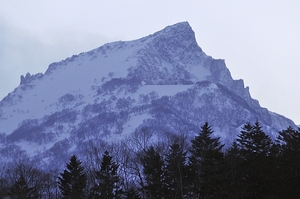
x: 38, y: 101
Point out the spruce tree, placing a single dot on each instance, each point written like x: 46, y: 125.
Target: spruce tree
x: 20, y: 189
x: 206, y: 165
x: 255, y: 151
x: 153, y: 172
x: 72, y: 182
x: 289, y: 139
x: 175, y: 172
x: 252, y: 141
x: 234, y: 172
x: 107, y: 179
x: 288, y: 163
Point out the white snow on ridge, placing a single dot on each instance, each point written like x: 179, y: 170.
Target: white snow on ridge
x: 37, y: 101
x: 90, y: 69
x: 163, y: 90
x: 108, y: 92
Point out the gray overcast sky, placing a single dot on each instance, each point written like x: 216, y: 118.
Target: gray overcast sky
x: 259, y: 40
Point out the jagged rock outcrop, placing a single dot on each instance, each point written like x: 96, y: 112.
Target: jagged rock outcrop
x: 163, y: 82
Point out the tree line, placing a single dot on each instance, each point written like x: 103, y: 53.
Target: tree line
x: 254, y: 166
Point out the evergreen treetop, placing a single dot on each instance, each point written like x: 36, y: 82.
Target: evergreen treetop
x: 72, y: 182
x: 107, y: 179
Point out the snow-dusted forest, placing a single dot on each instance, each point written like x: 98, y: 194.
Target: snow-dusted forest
x: 254, y: 166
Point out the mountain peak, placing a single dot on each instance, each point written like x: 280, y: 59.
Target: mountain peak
x: 182, y: 27
x: 169, y: 56
x: 163, y: 82
x: 179, y: 32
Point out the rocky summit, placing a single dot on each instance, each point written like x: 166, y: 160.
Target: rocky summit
x: 163, y: 82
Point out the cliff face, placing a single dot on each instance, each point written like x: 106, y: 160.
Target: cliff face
x: 163, y: 82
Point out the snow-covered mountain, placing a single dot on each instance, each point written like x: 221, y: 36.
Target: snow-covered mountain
x: 163, y: 82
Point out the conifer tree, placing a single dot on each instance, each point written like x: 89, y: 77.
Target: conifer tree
x: 288, y: 163
x: 20, y: 189
x: 72, y: 182
x: 252, y: 141
x: 255, y: 150
x: 234, y: 172
x: 289, y: 140
x: 175, y: 172
x: 206, y: 165
x: 107, y: 179
x: 153, y: 171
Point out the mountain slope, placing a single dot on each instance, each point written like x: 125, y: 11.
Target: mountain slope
x: 163, y: 82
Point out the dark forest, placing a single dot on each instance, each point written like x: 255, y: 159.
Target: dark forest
x: 254, y: 166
